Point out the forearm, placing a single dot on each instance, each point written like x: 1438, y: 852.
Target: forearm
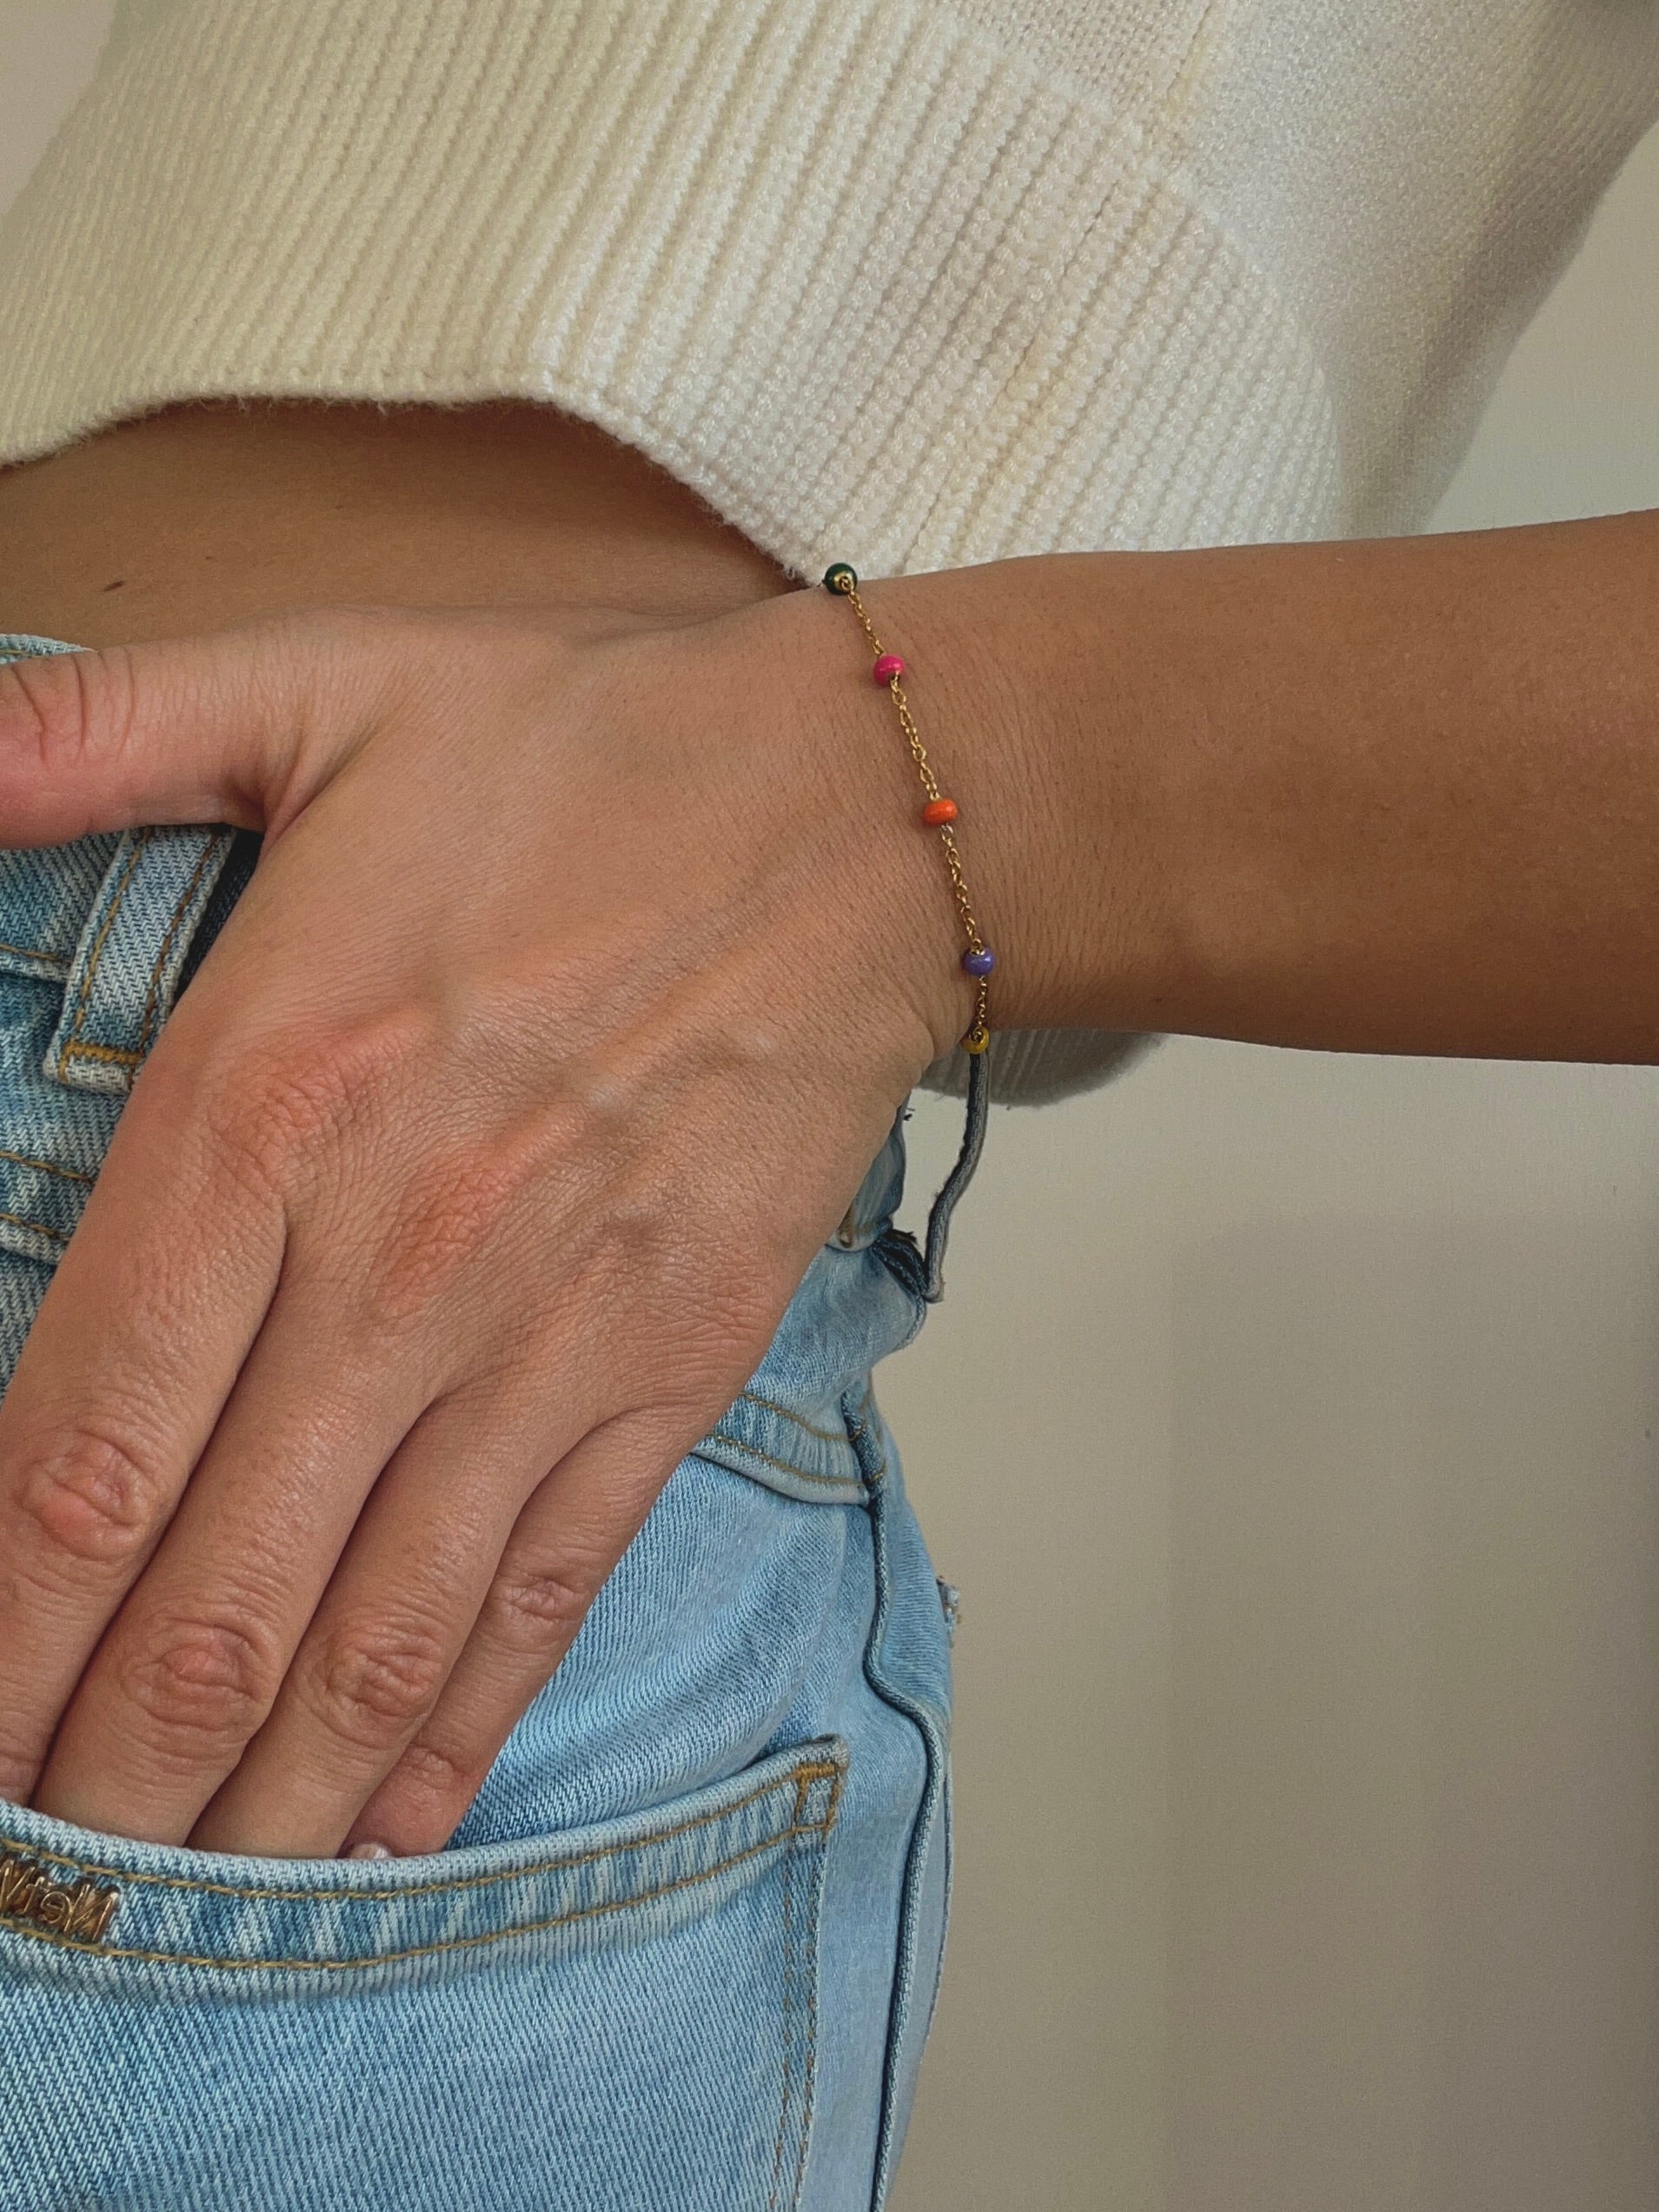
x: 1395, y: 796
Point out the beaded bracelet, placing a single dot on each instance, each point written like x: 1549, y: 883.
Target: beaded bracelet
x: 938, y: 812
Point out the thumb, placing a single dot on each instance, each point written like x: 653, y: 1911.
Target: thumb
x: 195, y: 729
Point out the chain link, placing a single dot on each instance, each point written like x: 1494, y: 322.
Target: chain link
x: 978, y: 1031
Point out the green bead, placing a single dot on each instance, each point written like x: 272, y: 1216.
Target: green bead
x: 837, y: 570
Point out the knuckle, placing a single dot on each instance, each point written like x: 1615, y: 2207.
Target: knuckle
x: 266, y: 1109
x: 374, y: 1681
x: 536, y: 1611
x: 203, y: 1686
x: 275, y: 1108
x: 433, y: 1776
x: 93, y: 1500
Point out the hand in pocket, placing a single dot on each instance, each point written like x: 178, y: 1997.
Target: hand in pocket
x: 576, y: 987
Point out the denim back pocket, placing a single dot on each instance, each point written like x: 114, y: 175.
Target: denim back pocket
x: 604, y: 1993
x: 621, y: 2015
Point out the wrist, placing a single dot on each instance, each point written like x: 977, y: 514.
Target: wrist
x: 1048, y: 796
x: 887, y: 875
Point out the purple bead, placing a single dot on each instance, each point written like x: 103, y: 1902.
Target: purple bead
x: 980, y: 963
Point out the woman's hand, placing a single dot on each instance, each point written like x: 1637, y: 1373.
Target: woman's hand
x: 586, y: 964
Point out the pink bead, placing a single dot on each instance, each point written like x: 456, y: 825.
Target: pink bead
x: 887, y: 667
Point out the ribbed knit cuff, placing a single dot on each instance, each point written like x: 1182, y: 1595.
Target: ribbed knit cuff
x: 876, y: 286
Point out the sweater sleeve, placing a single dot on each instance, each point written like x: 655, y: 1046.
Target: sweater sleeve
x: 912, y: 284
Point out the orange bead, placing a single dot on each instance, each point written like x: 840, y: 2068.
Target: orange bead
x: 937, y: 812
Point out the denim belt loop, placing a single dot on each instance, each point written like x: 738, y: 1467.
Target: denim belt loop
x: 125, y: 971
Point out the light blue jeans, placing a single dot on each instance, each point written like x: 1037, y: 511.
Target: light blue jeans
x: 682, y: 1952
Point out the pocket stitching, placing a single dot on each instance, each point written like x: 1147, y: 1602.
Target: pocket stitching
x: 40, y: 1228
x: 797, y: 1777
x: 771, y: 1406
x: 809, y: 2084
x: 789, y: 2047
x: 47, y: 1167
x: 848, y: 1485
x: 454, y: 1943
x: 843, y: 1483
x: 806, y: 1980
x: 33, y: 952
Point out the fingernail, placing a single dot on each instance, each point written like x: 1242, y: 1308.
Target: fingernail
x: 371, y: 1851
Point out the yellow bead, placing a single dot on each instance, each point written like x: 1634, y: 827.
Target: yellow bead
x: 977, y: 1038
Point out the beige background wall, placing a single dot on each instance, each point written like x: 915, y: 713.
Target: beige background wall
x: 1290, y: 1428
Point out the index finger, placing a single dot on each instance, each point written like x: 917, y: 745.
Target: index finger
x: 139, y: 1338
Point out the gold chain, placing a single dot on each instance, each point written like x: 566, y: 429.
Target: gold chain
x: 978, y: 960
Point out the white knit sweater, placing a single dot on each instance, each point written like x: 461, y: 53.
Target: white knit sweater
x: 909, y: 284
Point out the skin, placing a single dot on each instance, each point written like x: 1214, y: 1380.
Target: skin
x: 501, y: 1121
x: 593, y: 946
